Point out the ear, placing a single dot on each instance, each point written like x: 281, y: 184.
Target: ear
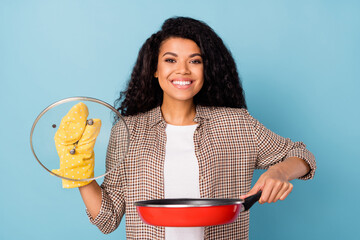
x: 156, y: 74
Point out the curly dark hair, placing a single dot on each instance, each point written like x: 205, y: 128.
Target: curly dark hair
x: 222, y: 86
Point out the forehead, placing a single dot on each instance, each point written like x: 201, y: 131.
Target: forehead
x: 179, y: 45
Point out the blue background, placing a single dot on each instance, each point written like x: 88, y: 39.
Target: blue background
x: 299, y: 62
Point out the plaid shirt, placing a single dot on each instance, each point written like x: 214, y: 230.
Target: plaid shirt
x: 229, y: 145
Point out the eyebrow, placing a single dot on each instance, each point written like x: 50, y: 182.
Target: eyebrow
x: 175, y: 55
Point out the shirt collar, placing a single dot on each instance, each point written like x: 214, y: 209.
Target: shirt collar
x: 155, y: 116
x: 202, y: 113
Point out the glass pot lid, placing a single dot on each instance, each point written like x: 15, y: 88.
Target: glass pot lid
x: 54, y: 156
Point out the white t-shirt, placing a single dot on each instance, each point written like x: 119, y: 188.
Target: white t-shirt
x: 181, y: 175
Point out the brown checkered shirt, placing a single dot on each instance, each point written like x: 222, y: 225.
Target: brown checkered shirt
x: 229, y: 145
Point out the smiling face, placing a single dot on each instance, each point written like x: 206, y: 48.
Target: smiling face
x: 179, y: 70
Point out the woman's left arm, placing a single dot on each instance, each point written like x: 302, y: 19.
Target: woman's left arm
x: 284, y: 160
x: 275, y: 182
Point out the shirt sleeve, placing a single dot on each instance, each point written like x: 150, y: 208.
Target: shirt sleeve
x: 113, y: 200
x: 273, y: 148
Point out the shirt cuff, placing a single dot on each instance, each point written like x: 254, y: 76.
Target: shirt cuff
x: 103, y: 215
x: 308, y: 157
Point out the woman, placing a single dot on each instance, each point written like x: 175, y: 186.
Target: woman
x: 191, y: 136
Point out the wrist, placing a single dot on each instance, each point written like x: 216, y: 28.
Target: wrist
x: 86, y: 185
x: 280, y: 170
x: 292, y: 168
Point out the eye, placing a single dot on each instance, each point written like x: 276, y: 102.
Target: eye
x: 196, y: 61
x: 170, y: 60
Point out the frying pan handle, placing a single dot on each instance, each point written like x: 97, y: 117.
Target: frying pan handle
x: 249, y: 201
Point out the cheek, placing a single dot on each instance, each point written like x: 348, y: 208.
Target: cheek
x: 160, y: 73
x: 199, y: 87
x: 200, y: 75
x: 200, y: 71
x: 163, y: 68
x: 164, y: 84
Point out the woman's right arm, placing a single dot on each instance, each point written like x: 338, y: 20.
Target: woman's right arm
x: 105, y: 204
x: 91, y: 195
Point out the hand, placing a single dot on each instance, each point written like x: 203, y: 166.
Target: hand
x: 274, y: 185
x: 75, y: 140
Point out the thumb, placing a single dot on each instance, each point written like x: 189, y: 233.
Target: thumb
x: 257, y: 187
x: 87, y: 141
x: 90, y: 134
x: 72, y: 125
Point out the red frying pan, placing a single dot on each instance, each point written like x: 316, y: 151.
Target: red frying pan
x: 200, y: 212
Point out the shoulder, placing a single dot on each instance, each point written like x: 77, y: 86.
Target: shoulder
x: 133, y: 119
x: 141, y: 121
x: 227, y: 114
x: 230, y: 124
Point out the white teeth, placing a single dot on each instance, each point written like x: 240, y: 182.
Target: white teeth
x: 182, y: 83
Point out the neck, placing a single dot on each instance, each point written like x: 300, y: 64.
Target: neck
x: 180, y: 113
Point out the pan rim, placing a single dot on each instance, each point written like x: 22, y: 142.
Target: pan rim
x: 188, y: 202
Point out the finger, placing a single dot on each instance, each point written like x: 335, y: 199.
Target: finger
x: 287, y: 192
x: 267, y: 190
x: 277, y: 186
x: 72, y: 125
x: 285, y: 187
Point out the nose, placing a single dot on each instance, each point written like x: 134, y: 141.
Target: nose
x: 182, y: 68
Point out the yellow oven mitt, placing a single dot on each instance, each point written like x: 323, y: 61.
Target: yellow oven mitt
x: 75, y: 140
